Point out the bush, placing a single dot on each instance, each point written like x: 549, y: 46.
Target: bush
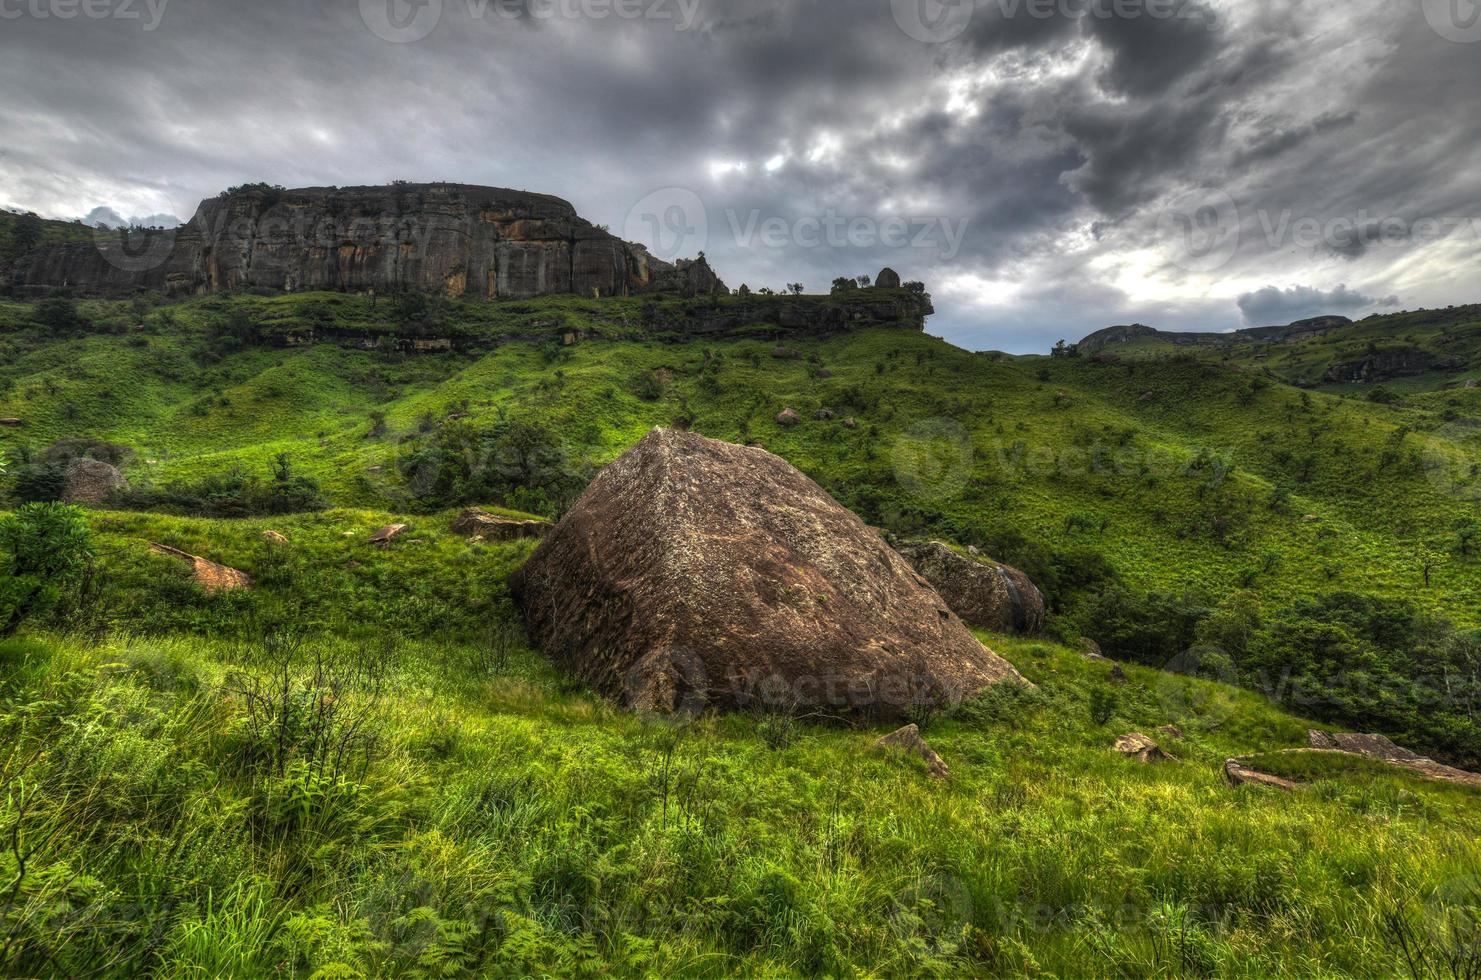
x: 235, y: 493
x: 47, y: 550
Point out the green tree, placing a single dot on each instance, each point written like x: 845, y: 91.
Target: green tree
x: 46, y: 549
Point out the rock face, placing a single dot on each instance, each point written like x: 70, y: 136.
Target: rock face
x: 986, y: 594
x: 887, y: 279
x: 696, y: 573
x: 90, y: 481
x: 461, y: 240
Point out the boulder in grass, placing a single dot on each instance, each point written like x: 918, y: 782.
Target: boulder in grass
x: 11, y: 423
x: 987, y: 594
x: 908, y: 740
x: 695, y: 573
x: 787, y: 418
x: 475, y: 522
x: 275, y: 537
x: 387, y: 534
x: 1141, y: 748
x: 90, y: 481
x: 209, y: 575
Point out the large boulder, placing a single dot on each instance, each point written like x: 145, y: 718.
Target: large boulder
x: 887, y: 279
x: 985, y: 593
x: 696, y: 573
x: 90, y: 481
x: 475, y: 522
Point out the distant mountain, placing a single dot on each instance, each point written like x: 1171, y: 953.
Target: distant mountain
x: 1420, y: 349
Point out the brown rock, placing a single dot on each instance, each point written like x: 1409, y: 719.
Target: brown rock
x: 1092, y: 651
x: 1372, y: 746
x: 387, y: 534
x: 1238, y: 774
x: 1141, y: 748
x: 90, y: 481
x: 208, y: 574
x: 823, y: 415
x: 452, y: 239
x: 1171, y: 731
x: 887, y: 279
x: 696, y: 573
x: 479, y: 523
x: 274, y: 537
x: 908, y: 739
x: 787, y: 418
x: 850, y: 423
x: 12, y: 423
x: 986, y: 594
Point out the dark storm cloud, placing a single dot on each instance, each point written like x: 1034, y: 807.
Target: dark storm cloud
x: 1042, y: 149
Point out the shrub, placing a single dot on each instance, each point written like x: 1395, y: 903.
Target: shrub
x: 47, y: 549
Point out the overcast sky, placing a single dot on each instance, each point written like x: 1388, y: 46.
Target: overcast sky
x: 1047, y: 167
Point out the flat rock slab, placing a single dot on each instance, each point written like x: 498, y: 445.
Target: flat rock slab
x: 209, y: 575
x: 475, y: 522
x: 695, y: 573
x: 1239, y: 774
x: 908, y: 740
x: 387, y: 534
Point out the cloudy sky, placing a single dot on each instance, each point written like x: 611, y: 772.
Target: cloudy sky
x: 1047, y: 167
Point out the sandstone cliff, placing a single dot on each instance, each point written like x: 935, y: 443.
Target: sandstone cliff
x: 476, y: 242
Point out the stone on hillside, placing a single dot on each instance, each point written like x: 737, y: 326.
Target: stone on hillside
x: 1239, y: 774
x: 475, y: 522
x: 850, y: 423
x: 787, y: 418
x: 1171, y: 731
x: 274, y: 537
x: 1092, y: 651
x: 1141, y: 748
x: 908, y: 740
x: 986, y: 594
x: 12, y: 423
x: 387, y: 534
x: 823, y: 415
x: 90, y: 481
x: 696, y: 573
x: 1372, y: 746
x: 887, y: 279
x: 209, y: 575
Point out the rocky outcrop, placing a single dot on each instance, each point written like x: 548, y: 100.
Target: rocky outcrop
x: 475, y: 522
x: 209, y: 575
x: 387, y: 534
x: 1382, y: 749
x: 794, y: 315
x: 1385, y: 365
x: 887, y: 279
x: 987, y: 594
x: 1141, y: 748
x: 90, y: 481
x: 695, y: 573
x: 908, y: 740
x: 461, y: 240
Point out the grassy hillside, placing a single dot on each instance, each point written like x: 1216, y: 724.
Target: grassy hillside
x: 358, y: 768
x: 1407, y: 353
x: 366, y: 782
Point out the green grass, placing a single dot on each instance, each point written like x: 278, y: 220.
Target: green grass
x: 510, y: 825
